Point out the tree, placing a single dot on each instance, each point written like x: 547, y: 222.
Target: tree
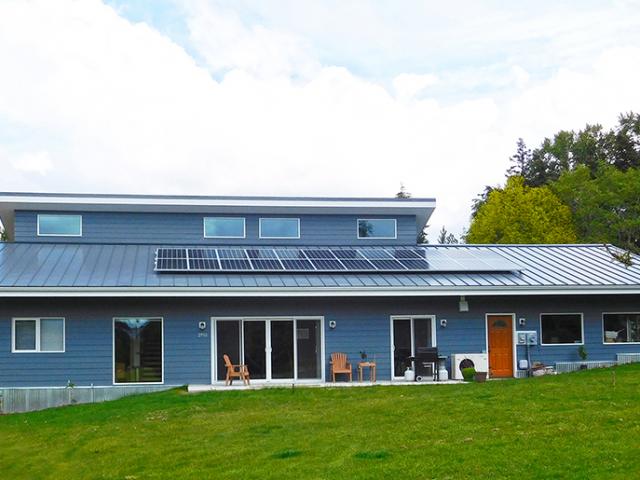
x: 605, y: 207
x: 403, y: 192
x: 3, y: 235
x: 422, y: 235
x: 481, y: 199
x: 521, y: 214
x: 445, y: 238
x: 623, y: 143
x: 520, y: 160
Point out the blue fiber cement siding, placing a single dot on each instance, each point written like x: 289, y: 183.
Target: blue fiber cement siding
x: 361, y: 324
x: 187, y: 229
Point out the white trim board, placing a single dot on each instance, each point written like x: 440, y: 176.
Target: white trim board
x: 53, y: 214
x: 19, y: 292
x: 261, y: 237
x: 38, y: 321
x: 562, y: 344
x: 113, y: 349
x: 204, y: 227
x: 268, y: 320
x: 602, y: 327
x: 412, y: 318
x: 395, y: 229
x: 514, y: 350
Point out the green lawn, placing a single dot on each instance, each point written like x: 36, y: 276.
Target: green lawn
x: 581, y: 425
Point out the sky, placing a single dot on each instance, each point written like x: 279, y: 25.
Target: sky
x: 302, y: 97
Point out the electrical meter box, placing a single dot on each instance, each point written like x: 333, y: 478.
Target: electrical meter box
x: 527, y: 337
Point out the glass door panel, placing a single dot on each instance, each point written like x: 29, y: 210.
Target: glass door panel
x: 227, y: 342
x: 422, y: 333
x: 281, y: 349
x: 255, y: 347
x: 308, y: 348
x: 401, y: 345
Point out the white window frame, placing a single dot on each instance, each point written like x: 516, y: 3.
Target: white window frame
x: 617, y: 343
x: 244, y: 227
x: 113, y: 348
x: 38, y: 347
x: 57, y: 234
x: 411, y: 318
x: 395, y: 229
x: 268, y: 320
x: 563, y: 344
x: 278, y: 218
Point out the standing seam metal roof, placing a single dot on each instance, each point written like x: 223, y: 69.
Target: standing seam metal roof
x: 35, y: 265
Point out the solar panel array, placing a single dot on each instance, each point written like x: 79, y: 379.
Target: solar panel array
x: 326, y: 259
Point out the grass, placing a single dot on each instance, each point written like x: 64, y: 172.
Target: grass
x: 580, y: 425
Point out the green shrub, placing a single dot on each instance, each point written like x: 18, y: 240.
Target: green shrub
x: 468, y: 373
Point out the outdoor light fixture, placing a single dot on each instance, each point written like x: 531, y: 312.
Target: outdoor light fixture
x: 443, y: 322
x: 463, y: 305
x: 202, y: 325
x: 332, y: 324
x: 522, y: 322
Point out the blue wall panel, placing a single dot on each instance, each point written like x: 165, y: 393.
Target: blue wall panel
x: 187, y: 228
x: 362, y: 324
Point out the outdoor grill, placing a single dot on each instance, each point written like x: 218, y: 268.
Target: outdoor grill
x: 426, y: 362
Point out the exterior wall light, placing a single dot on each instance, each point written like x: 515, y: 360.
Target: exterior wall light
x: 443, y: 322
x: 522, y: 322
x: 202, y: 325
x: 332, y: 324
x: 463, y: 305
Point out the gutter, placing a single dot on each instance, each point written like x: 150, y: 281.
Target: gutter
x: 154, y: 292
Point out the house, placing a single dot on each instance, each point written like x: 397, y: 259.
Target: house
x: 126, y: 290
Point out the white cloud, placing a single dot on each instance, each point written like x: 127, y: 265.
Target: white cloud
x: 121, y: 108
x: 408, y: 85
x: 226, y: 43
x: 33, y: 162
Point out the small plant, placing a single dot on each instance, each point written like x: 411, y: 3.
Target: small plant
x: 468, y: 374
x: 582, y: 353
x: 363, y: 355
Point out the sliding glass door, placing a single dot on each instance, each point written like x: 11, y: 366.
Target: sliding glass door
x: 282, y: 351
x: 408, y: 334
x: 272, y: 349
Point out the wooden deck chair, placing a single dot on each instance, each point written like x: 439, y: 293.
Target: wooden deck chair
x: 339, y: 364
x: 235, y: 371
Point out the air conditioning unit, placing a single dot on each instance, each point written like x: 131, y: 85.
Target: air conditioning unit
x: 479, y: 361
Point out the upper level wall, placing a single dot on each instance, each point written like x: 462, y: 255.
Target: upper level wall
x: 188, y: 229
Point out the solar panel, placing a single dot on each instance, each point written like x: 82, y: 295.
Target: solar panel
x: 266, y: 264
x: 414, y: 263
x: 203, y: 259
x: 387, y: 264
x: 330, y: 259
x: 171, y: 259
x: 319, y: 253
x: 293, y: 259
x: 358, y: 264
x: 327, y: 264
x: 297, y: 264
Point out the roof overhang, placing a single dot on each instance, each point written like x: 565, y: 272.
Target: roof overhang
x: 155, y: 292
x: 422, y: 208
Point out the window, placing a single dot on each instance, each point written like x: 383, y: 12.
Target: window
x: 38, y: 335
x: 60, y: 225
x: 621, y: 327
x: 279, y: 228
x: 137, y: 350
x: 377, y: 228
x: 561, y: 328
x: 224, y: 227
